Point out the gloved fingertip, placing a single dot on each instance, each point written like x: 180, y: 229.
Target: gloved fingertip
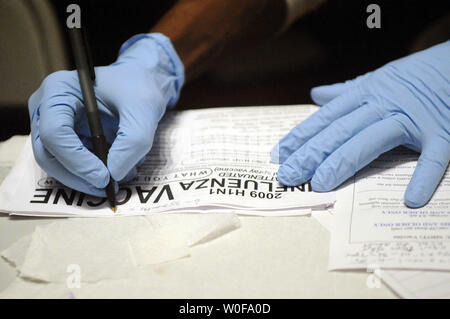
x: 415, y: 196
x: 131, y: 174
x: 117, y: 172
x: 318, y: 186
x: 323, y: 181
x: 94, y: 191
x: 288, y: 176
x: 99, y: 177
x: 100, y: 192
x: 316, y: 95
x: 325, y: 93
x: 275, y: 154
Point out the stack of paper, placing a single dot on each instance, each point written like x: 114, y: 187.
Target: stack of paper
x: 211, y: 159
x: 372, y: 229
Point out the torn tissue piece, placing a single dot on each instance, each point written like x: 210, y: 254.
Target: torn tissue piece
x: 111, y: 248
x: 15, y: 254
x: 26, y: 289
x: 174, y: 233
x: 323, y: 217
x: 97, y: 247
x: 193, y: 229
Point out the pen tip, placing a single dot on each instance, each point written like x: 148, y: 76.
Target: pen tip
x: 114, y: 209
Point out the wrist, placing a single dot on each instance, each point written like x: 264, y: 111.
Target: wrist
x: 152, y: 50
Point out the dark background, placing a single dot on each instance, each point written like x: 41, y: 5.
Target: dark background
x: 332, y: 44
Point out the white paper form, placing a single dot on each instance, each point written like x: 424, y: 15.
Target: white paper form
x: 411, y: 284
x: 418, y: 284
x: 207, y: 159
x: 373, y: 228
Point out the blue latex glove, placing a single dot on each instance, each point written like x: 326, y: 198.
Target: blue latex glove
x: 405, y: 102
x: 132, y: 95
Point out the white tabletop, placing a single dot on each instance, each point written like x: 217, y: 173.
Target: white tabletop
x: 268, y: 257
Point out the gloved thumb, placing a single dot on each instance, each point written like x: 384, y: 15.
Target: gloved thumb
x: 430, y: 168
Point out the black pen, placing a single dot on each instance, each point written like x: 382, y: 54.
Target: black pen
x: 86, y: 75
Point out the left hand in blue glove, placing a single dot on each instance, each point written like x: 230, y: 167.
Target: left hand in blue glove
x: 406, y: 102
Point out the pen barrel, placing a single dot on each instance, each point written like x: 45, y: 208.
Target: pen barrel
x: 90, y: 104
x: 86, y: 75
x: 100, y: 147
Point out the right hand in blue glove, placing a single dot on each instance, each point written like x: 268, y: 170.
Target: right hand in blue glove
x: 132, y: 95
x: 406, y: 102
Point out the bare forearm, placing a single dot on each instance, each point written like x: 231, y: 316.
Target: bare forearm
x: 203, y: 30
